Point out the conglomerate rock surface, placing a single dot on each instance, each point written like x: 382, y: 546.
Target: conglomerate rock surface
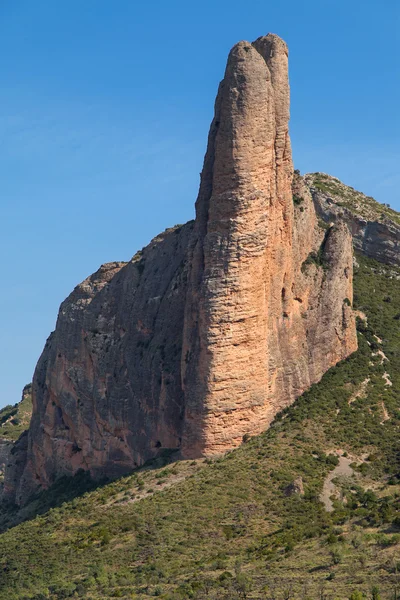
x: 216, y: 326
x: 260, y: 325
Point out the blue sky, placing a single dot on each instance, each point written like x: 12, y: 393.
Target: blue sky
x: 104, y: 113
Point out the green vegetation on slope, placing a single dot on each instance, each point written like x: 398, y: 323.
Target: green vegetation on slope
x: 14, y: 419
x: 226, y: 528
x: 347, y: 197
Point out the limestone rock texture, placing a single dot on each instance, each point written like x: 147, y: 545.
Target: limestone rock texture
x: 216, y: 325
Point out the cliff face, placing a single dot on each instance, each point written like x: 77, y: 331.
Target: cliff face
x: 106, y: 391
x: 259, y: 326
x: 217, y: 325
x: 5, y: 450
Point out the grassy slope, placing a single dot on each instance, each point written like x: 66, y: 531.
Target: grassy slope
x: 227, y: 530
x: 14, y: 419
x: 357, y: 202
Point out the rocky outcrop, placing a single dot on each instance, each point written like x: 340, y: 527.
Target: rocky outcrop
x: 296, y: 487
x: 5, y: 450
x: 261, y: 324
x: 107, y: 391
x: 375, y: 227
x: 216, y: 326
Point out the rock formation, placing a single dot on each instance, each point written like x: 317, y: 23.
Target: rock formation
x: 5, y: 450
x: 254, y: 321
x: 295, y: 487
x: 375, y: 227
x: 216, y: 326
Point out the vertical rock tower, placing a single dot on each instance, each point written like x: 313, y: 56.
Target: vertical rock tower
x: 212, y: 329
x: 254, y: 318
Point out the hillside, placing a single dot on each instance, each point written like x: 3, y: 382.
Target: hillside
x: 14, y: 419
x: 236, y: 526
x: 375, y: 227
x: 347, y: 197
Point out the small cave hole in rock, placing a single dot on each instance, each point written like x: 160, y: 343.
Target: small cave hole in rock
x: 283, y: 293
x: 157, y: 444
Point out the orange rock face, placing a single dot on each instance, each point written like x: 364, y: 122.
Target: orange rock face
x: 259, y: 326
x: 217, y: 327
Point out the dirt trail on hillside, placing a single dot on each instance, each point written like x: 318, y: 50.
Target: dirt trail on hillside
x: 386, y: 377
x: 361, y: 392
x: 329, y: 489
